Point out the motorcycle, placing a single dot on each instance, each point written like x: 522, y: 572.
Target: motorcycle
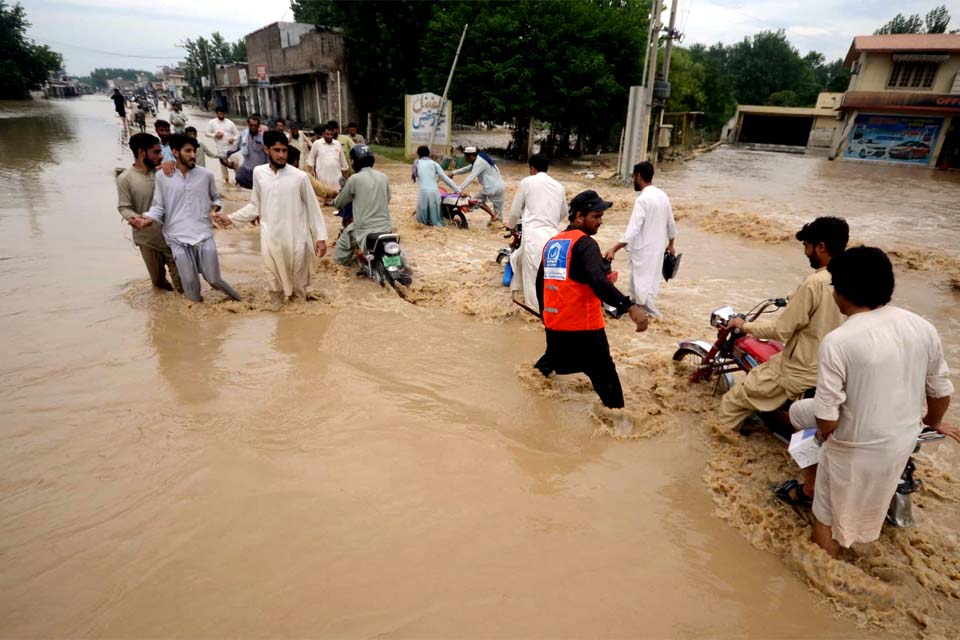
x: 455, y: 208
x: 382, y: 260
x: 735, y: 351
x: 516, y: 236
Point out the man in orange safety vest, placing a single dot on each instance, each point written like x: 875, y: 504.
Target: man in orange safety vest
x: 571, y: 284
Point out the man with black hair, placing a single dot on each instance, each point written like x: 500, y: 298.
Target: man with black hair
x: 224, y: 133
x: 252, y: 153
x: 185, y: 204
x: 202, y: 149
x: 354, y: 132
x: 120, y: 106
x: 483, y: 169
x: 571, y: 282
x: 650, y: 231
x: 368, y: 190
x: 810, y: 314
x: 162, y: 128
x: 327, y: 161
x: 541, y: 205
x: 876, y: 373
x: 345, y: 141
x: 291, y: 228
x: 134, y: 196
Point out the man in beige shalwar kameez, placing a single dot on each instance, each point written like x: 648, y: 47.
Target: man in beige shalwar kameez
x: 291, y: 223
x: 875, y: 373
x: 810, y: 315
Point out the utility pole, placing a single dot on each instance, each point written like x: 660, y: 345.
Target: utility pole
x: 672, y: 35
x: 638, y: 115
x: 650, y: 75
x: 443, y: 100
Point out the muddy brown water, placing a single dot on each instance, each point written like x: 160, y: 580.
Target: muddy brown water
x: 373, y: 465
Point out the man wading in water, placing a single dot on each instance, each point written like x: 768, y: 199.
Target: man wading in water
x: 571, y: 283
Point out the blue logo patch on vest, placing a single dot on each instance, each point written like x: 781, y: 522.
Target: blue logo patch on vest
x: 555, y: 259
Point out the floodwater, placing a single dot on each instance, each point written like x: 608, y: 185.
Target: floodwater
x: 368, y: 464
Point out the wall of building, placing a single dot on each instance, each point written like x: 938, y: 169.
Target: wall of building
x: 875, y: 70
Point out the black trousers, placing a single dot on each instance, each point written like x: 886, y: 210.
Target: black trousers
x: 586, y: 352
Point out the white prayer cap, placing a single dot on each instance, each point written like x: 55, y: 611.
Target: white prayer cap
x: 470, y: 150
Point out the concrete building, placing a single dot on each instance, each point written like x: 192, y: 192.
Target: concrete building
x: 233, y: 90
x: 796, y: 129
x: 903, y: 101
x: 174, y: 81
x: 298, y: 72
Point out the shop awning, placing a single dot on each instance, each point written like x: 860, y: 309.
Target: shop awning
x: 901, y: 101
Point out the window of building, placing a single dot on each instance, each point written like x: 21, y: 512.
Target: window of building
x: 912, y: 75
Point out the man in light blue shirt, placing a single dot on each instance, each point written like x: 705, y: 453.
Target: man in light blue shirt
x: 184, y: 203
x: 483, y: 169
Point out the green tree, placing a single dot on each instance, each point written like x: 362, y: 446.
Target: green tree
x: 687, y: 77
x: 383, y: 45
x: 719, y: 85
x: 98, y: 77
x: 238, y: 51
x: 26, y: 65
x: 937, y: 20
x: 768, y: 63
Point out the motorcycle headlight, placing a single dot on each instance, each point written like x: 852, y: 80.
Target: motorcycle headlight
x: 392, y: 248
x: 721, y: 316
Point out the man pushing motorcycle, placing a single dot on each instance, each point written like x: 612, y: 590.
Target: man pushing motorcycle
x: 810, y: 314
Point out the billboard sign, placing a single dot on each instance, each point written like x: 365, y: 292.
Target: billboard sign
x: 893, y: 138
x: 263, y: 75
x: 421, y: 115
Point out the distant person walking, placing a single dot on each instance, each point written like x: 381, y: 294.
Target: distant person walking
x: 224, y: 133
x: 120, y: 105
x: 185, y: 203
x: 178, y: 119
x: 426, y: 172
x: 651, y: 230
x: 252, y: 153
x: 134, y: 197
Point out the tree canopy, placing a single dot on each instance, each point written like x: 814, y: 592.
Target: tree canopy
x: 203, y: 55
x: 27, y: 66
x: 936, y: 21
x: 98, y: 77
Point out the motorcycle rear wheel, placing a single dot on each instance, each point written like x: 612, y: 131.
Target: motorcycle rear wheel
x: 460, y: 220
x: 695, y: 357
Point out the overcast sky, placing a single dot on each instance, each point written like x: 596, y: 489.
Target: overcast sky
x: 143, y: 34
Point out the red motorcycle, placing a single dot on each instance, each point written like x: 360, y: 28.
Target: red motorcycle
x: 735, y: 351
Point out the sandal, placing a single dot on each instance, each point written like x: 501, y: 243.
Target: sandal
x: 791, y: 492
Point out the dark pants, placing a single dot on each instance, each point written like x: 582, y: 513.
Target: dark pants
x: 158, y: 263
x: 584, y: 352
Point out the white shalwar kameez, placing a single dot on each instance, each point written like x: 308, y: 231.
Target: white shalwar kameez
x: 650, y: 229
x: 328, y: 161
x: 541, y: 205
x: 875, y: 372
x: 290, y: 223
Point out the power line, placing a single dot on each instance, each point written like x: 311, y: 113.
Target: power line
x: 109, y: 53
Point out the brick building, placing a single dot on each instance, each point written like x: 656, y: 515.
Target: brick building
x: 295, y: 71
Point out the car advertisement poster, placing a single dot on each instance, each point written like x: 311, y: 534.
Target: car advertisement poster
x: 893, y: 138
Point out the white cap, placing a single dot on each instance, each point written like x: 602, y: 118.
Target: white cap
x: 470, y: 150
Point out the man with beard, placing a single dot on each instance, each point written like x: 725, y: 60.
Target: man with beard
x: 134, y: 195
x: 162, y: 127
x: 291, y: 224
x: 571, y: 283
x: 251, y: 150
x: 811, y: 314
x: 224, y: 133
x: 185, y: 203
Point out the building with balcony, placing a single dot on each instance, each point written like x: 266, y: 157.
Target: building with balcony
x: 903, y: 101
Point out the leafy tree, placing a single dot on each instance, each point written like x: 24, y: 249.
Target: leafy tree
x: 935, y: 22
x: 767, y: 63
x: 383, y: 45
x: 719, y: 84
x: 687, y: 78
x: 26, y: 65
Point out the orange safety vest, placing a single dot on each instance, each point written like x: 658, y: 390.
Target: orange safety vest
x: 568, y: 305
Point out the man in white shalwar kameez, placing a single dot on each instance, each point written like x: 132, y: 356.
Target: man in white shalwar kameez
x: 541, y: 205
x: 875, y: 372
x: 651, y: 230
x: 326, y: 160
x: 291, y: 223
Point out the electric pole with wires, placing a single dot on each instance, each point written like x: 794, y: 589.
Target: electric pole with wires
x: 664, y: 93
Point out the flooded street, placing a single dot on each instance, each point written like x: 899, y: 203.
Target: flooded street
x: 375, y: 465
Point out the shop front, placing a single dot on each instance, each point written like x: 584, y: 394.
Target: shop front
x: 914, y: 129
